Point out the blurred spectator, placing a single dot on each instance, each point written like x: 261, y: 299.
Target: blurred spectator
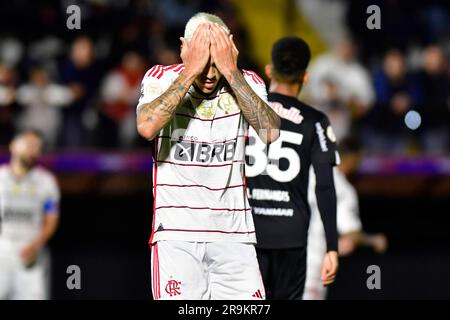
x: 41, y: 100
x: 132, y: 37
x: 340, y: 86
x: 81, y: 74
x: 167, y: 57
x: 11, y: 51
x: 156, y: 40
x: 7, y: 95
x: 400, y: 26
x: 435, y: 109
x: 397, y: 91
x: 437, y: 22
x: 119, y: 94
x: 6, y: 86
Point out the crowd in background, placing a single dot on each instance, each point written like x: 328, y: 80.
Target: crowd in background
x: 80, y: 88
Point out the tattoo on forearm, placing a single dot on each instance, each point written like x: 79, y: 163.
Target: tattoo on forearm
x: 162, y: 109
x: 258, y: 114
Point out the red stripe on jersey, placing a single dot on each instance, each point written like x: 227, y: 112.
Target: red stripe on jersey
x: 161, y: 72
x: 173, y: 66
x: 258, y: 77
x: 202, y: 142
x: 209, y: 97
x: 158, y: 286
x: 201, y: 119
x: 202, y: 208
x: 255, y: 77
x: 153, y: 271
x: 156, y: 71
x: 155, y: 183
x: 220, y: 231
x: 244, y: 176
x: 152, y: 69
x: 178, y: 69
x: 198, y: 185
x: 201, y: 165
x: 155, y: 291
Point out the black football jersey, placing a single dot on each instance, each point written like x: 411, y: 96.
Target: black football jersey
x: 277, y: 174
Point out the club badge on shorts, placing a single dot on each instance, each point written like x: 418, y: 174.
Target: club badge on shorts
x: 173, y: 288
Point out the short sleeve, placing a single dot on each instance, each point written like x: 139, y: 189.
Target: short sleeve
x: 52, y: 196
x: 323, y: 149
x: 256, y: 83
x: 152, y: 85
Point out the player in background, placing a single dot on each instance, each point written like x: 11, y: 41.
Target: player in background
x: 349, y: 224
x: 278, y: 178
x: 197, y: 115
x: 29, y: 208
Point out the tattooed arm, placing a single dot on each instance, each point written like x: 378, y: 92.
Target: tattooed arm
x: 257, y: 113
x: 154, y: 116
x: 260, y: 116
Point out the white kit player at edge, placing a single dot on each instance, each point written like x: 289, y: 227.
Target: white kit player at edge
x: 29, y: 200
x: 347, y: 221
x: 351, y: 233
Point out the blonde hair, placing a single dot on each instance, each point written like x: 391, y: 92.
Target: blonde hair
x: 198, y: 19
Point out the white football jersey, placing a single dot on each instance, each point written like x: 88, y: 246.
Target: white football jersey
x: 199, y: 184
x: 23, y: 203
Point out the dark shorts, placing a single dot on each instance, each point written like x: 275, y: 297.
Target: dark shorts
x: 283, y: 272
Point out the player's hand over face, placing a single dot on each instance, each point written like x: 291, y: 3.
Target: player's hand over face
x: 223, y: 51
x: 329, y: 267
x: 195, y: 54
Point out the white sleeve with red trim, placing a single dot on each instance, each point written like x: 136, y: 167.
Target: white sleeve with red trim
x: 156, y: 81
x: 256, y: 83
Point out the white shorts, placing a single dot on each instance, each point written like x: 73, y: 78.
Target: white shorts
x: 184, y: 270
x: 315, y: 291
x: 18, y: 282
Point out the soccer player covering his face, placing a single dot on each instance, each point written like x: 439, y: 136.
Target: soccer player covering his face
x: 29, y: 212
x: 197, y: 114
x: 278, y: 178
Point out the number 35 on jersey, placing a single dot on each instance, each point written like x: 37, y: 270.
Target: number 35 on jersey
x: 266, y: 159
